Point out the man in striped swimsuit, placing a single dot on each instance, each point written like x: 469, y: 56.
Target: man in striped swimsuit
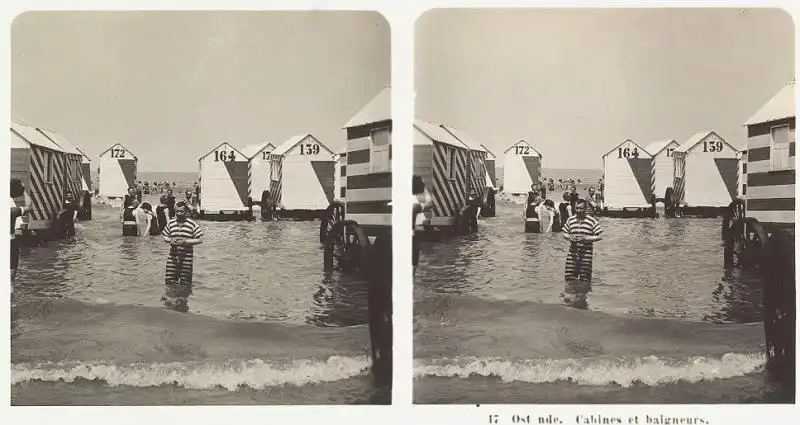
x: 182, y: 234
x: 582, y: 231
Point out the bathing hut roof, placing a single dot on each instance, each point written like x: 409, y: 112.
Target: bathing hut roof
x: 656, y: 147
x: 437, y: 134
x: 120, y: 145
x: 694, y: 139
x: 219, y: 146
x: 253, y: 150
x: 17, y: 141
x: 464, y: 138
x: 60, y: 141
x: 30, y: 135
x: 612, y: 150
x: 377, y: 110
x: 294, y: 141
x: 489, y: 153
x: 779, y: 107
x: 526, y: 144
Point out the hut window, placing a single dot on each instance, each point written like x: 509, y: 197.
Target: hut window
x: 478, y: 163
x: 450, y: 161
x: 779, y: 147
x: 48, y: 167
x: 381, y: 141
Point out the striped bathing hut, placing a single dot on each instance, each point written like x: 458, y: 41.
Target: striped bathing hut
x: 223, y: 173
x: 74, y: 179
x: 441, y: 160
x: 41, y: 166
x: 491, y: 170
x: 302, y: 173
x: 770, y: 162
x: 117, y: 171
x: 340, y: 178
x: 259, y: 169
x: 663, y: 165
x: 476, y: 169
x: 369, y: 166
x: 522, y: 168
x: 706, y: 171
x: 628, y: 176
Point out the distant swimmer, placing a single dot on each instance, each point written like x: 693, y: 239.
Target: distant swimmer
x: 582, y: 231
x: 130, y: 224
x: 182, y: 234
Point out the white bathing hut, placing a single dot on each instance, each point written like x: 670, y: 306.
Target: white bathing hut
x: 629, y: 178
x: 302, y: 174
x: 522, y: 168
x: 706, y: 171
x: 223, y: 173
x: 117, y: 171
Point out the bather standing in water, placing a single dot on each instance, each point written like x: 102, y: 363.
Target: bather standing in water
x: 182, y: 234
x: 582, y: 231
x: 17, y: 190
x: 422, y: 201
x: 130, y: 222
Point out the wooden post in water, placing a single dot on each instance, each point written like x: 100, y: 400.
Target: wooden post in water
x: 779, y: 307
x: 379, y: 273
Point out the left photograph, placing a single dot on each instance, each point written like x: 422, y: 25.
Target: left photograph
x: 201, y: 208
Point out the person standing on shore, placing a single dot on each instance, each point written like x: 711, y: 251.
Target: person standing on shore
x: 582, y: 231
x: 182, y: 234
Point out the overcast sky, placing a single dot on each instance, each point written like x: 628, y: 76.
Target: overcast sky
x: 172, y: 85
x: 577, y: 82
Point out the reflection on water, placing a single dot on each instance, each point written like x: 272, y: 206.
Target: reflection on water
x: 643, y: 267
x: 242, y: 270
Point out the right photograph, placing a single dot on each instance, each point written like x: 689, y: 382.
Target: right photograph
x: 604, y: 206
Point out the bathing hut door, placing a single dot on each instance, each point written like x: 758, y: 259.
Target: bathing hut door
x: 260, y: 170
x: 223, y: 180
